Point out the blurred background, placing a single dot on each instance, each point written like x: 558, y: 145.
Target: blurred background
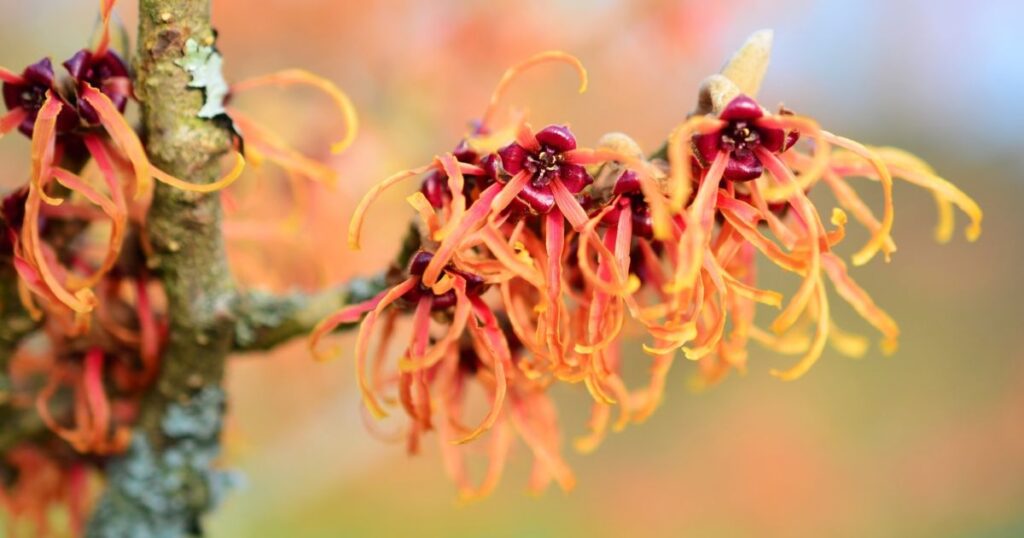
x: 928, y: 442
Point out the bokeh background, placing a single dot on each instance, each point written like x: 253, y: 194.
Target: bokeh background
x: 929, y: 442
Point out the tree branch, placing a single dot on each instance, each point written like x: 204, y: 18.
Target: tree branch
x: 264, y: 321
x: 164, y: 484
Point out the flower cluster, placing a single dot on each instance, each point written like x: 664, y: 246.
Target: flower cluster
x: 75, y: 237
x: 538, y: 255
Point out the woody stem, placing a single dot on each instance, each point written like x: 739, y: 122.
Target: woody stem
x: 163, y: 484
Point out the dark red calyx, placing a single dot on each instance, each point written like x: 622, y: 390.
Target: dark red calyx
x: 475, y: 284
x: 739, y: 137
x: 107, y: 73
x: 464, y: 153
x: 628, y: 183
x: 30, y: 94
x: 435, y: 189
x: 12, y: 217
x: 469, y: 362
x: 544, y: 165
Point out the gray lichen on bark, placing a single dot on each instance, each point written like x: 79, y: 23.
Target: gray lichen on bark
x: 151, y: 492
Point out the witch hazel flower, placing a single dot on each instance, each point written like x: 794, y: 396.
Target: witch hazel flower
x: 63, y: 121
x: 433, y: 394
x: 742, y: 134
x: 431, y: 377
x: 506, y: 212
x: 24, y: 95
x: 474, y: 156
x: 576, y: 244
x: 750, y: 172
x: 458, y: 303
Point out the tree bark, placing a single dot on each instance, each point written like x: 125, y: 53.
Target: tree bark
x: 166, y: 481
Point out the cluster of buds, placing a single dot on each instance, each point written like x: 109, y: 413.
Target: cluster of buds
x: 537, y: 255
x: 99, y: 313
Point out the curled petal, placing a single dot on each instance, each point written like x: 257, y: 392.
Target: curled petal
x: 149, y: 348
x: 809, y: 214
x: 262, y: 143
x: 618, y: 284
x: 880, y: 238
x: 106, y: 9
x: 425, y: 209
x: 298, y: 76
x: 118, y: 219
x: 540, y: 440
x: 852, y: 202
x: 742, y: 289
x: 819, y: 159
x: 849, y: 344
x: 363, y: 341
x: 817, y: 344
x: 119, y: 130
x: 508, y: 257
x: 569, y: 206
x: 600, y: 414
x: 913, y: 170
x: 43, y: 145
x: 348, y: 314
x: 223, y: 182
x: 95, y: 396
x: 359, y: 215
x: 492, y: 201
x: 72, y: 436
x: 456, y: 183
x: 679, y: 153
x: 752, y: 235
x: 513, y: 72
x: 701, y: 212
x: 11, y: 120
x: 421, y: 360
x: 860, y: 300
x: 497, y: 348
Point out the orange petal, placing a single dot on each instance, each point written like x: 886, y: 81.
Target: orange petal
x: 106, y: 8
x: 11, y: 120
x: 363, y: 343
x: 456, y: 183
x: 860, y: 300
x: 122, y: 133
x: 880, y: 238
x: 118, y: 220
x: 290, y: 77
x: 422, y: 360
x: 348, y: 314
x: 680, y: 152
x: 484, y: 205
x: 497, y: 348
x: 262, y: 143
x: 355, y: 226
x: 817, y: 344
x: 513, y: 72
x: 568, y: 205
x: 223, y: 182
